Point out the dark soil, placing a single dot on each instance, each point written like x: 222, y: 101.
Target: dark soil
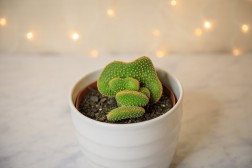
x: 96, y: 106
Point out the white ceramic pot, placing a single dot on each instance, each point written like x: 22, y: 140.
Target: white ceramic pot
x: 148, y: 144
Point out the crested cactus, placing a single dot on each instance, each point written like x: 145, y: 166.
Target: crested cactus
x: 125, y: 112
x: 141, y: 69
x: 131, y: 98
x: 123, y: 80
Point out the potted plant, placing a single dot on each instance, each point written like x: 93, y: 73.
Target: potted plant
x: 113, y: 143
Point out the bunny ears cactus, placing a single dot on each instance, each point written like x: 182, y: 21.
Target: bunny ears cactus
x: 134, y: 85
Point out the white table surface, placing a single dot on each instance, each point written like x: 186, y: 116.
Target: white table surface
x: 35, y: 123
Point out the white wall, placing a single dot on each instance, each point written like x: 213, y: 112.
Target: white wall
x: 130, y: 30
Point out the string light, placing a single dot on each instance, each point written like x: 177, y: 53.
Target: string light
x: 160, y: 53
x: 3, y: 22
x: 245, y: 28
x: 75, y: 36
x: 198, y: 32
x: 156, y: 33
x: 110, y: 12
x: 29, y: 35
x: 207, y: 24
x: 236, y: 52
x: 173, y: 2
x: 94, y: 53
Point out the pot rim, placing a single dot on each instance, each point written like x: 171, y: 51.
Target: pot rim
x: 131, y: 125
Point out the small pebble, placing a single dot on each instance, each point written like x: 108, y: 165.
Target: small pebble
x: 94, y: 98
x: 103, y: 100
x: 111, y: 101
x: 102, y: 118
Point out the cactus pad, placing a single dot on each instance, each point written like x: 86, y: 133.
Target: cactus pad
x: 120, y: 84
x: 145, y: 91
x: 125, y: 112
x: 131, y: 98
x: 141, y: 69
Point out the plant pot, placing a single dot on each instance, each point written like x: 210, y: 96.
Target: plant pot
x: 148, y: 144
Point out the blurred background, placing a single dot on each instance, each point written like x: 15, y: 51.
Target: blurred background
x: 114, y: 27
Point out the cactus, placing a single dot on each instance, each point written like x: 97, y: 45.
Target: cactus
x: 123, y: 80
x: 125, y: 112
x: 120, y: 84
x: 131, y: 98
x: 141, y: 69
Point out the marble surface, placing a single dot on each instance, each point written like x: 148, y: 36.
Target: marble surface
x: 36, y: 129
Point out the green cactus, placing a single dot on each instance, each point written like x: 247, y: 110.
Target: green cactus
x: 141, y: 69
x: 145, y: 91
x: 125, y: 112
x: 120, y: 84
x: 123, y: 80
x: 131, y: 98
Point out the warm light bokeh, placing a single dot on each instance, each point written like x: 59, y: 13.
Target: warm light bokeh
x: 207, y: 24
x: 29, y: 35
x: 236, y: 52
x: 110, y: 12
x: 245, y: 28
x: 94, y: 53
x: 75, y: 36
x: 3, y: 21
x: 156, y: 33
x: 173, y: 2
x: 198, y: 32
x: 160, y: 53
